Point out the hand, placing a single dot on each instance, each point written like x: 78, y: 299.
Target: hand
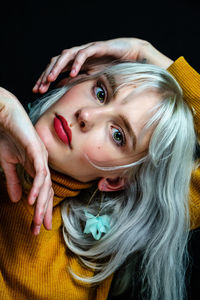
x: 122, y: 48
x: 20, y: 144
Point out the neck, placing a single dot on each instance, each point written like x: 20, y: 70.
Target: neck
x: 63, y: 185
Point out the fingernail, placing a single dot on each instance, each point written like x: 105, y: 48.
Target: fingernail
x: 32, y: 201
x: 73, y: 71
x: 37, y: 230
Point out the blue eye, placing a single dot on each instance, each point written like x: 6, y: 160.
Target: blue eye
x: 100, y: 93
x: 118, y: 136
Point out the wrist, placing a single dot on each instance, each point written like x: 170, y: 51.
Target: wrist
x: 155, y: 57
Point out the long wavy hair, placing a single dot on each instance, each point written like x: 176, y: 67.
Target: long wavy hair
x: 150, y: 218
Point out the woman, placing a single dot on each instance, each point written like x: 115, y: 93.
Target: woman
x: 138, y: 225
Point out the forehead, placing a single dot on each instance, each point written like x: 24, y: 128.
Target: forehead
x: 142, y: 100
x: 137, y: 104
x: 138, y: 108
x: 130, y: 98
x: 120, y: 88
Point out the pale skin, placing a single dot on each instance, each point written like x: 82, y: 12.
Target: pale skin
x: 20, y: 143
x: 98, y: 131
x: 73, y: 59
x: 29, y: 149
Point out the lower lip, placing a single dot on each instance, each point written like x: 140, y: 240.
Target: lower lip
x: 60, y: 131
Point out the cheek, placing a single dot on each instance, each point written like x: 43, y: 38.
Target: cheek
x: 43, y: 131
x: 72, y: 98
x: 98, y: 153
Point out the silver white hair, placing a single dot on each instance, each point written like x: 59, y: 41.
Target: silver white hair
x: 150, y: 219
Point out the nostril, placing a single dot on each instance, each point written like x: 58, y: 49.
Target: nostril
x: 79, y: 118
x: 77, y: 114
x: 82, y: 124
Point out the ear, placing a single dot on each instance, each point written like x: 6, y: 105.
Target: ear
x: 111, y: 184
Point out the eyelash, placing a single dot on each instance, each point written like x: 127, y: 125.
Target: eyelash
x: 119, y: 130
x: 101, y: 85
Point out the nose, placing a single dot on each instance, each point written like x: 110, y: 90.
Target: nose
x: 85, y: 118
x: 89, y: 116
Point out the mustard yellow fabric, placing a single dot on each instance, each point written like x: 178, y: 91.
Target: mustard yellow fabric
x: 189, y: 80
x: 36, y: 267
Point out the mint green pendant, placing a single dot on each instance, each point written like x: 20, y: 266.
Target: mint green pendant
x: 96, y: 225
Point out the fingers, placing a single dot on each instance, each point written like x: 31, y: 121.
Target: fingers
x: 44, y: 206
x: 41, y: 191
x: 42, y: 84
x: 48, y: 214
x: 45, y: 217
x: 61, y: 64
x: 58, y: 65
x: 43, y: 209
x: 14, y: 187
x: 83, y: 54
x: 38, y: 183
x: 36, y: 86
x: 124, y: 48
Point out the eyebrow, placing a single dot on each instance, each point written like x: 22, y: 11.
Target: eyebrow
x: 129, y: 129
x: 112, y: 83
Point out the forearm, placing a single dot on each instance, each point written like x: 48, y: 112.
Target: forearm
x: 20, y: 144
x: 155, y: 57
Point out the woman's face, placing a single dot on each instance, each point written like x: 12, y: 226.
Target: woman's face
x: 104, y: 129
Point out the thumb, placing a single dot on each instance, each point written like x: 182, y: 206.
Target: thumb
x: 13, y: 184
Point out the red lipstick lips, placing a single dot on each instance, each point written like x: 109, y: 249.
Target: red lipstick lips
x: 62, y: 129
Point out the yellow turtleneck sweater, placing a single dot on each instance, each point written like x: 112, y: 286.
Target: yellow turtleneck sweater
x: 35, y: 267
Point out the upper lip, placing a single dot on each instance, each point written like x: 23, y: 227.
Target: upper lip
x: 65, y: 126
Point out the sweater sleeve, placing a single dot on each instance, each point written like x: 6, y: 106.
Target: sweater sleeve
x: 189, y: 80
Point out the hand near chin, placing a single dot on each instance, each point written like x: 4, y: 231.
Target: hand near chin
x: 20, y: 144
x: 77, y: 58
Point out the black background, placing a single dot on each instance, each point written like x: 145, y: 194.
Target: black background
x: 31, y: 32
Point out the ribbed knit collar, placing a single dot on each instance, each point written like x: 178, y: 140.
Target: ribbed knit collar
x: 65, y: 186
